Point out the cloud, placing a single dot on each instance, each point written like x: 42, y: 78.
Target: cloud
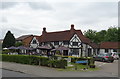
x: 3, y: 19
x: 34, y: 5
x: 31, y: 17
x: 18, y: 30
x: 40, y: 5
x: 6, y: 5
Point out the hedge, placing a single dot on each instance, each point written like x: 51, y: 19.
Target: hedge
x: 33, y: 60
x: 58, y: 63
x: 23, y: 59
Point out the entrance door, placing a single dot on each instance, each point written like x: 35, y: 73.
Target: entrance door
x: 65, y: 52
x: 89, y: 52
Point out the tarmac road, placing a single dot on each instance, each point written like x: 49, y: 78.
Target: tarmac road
x: 10, y: 73
x: 108, y: 67
x: 107, y: 70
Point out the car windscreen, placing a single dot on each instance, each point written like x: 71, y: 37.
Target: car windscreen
x: 107, y: 55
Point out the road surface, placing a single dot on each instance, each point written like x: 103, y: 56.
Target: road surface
x: 107, y: 70
x: 10, y: 73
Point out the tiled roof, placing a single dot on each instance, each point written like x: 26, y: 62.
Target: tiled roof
x: 37, y: 37
x: 94, y: 45
x: 23, y: 37
x: 64, y: 36
x: 55, y: 36
x: 110, y: 45
x: 26, y: 39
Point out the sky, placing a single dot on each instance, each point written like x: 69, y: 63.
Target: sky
x: 29, y: 17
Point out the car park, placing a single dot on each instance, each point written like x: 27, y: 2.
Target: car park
x: 104, y: 57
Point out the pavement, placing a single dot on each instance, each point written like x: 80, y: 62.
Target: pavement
x: 106, y: 70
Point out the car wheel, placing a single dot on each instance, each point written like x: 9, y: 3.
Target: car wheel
x: 111, y: 61
x: 103, y: 60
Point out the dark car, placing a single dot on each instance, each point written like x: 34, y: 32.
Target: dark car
x: 104, y: 57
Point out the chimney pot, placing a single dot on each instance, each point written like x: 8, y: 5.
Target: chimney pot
x: 72, y: 30
x: 72, y: 26
x: 44, y: 30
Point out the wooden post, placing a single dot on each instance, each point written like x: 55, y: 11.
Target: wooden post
x: 87, y: 65
x: 75, y: 66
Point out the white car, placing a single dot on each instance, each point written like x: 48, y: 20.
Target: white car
x: 115, y: 55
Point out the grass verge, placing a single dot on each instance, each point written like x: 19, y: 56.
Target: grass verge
x: 78, y: 67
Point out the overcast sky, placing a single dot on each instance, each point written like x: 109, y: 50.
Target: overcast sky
x: 23, y: 18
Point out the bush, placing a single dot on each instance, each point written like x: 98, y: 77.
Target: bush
x: 44, y: 61
x: 6, y: 51
x: 58, y: 63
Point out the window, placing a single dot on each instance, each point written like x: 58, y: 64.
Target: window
x: 75, y: 43
x: 106, y: 50
x: 114, y: 50
x: 40, y: 44
x: 75, y: 52
x: 56, y: 43
x: 45, y: 43
x: 65, y: 42
x: 34, y: 42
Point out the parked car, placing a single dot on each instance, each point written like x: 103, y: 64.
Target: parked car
x: 115, y: 55
x: 105, y: 57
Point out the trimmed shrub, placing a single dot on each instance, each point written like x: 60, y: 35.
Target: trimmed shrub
x: 25, y: 59
x: 44, y: 61
x: 34, y: 60
x: 58, y: 63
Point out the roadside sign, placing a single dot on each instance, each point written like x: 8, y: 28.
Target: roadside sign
x: 81, y: 61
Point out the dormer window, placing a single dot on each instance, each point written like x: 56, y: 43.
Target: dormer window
x: 75, y: 43
x: 34, y: 41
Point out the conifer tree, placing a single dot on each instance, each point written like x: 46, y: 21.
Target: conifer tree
x: 9, y: 40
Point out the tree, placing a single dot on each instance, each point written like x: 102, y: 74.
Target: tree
x: 9, y: 40
x: 112, y: 34
x: 18, y: 44
x: 91, y: 34
x: 118, y: 33
x: 101, y: 36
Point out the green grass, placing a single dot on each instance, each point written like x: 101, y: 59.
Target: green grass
x: 80, y: 67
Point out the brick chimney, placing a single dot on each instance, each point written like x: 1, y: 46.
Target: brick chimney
x: 44, y: 30
x: 72, y: 30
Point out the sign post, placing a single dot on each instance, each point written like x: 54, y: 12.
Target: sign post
x: 83, y: 61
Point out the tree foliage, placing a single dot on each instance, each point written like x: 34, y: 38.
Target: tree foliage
x: 18, y: 44
x: 112, y: 35
x: 9, y: 40
x: 91, y: 34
